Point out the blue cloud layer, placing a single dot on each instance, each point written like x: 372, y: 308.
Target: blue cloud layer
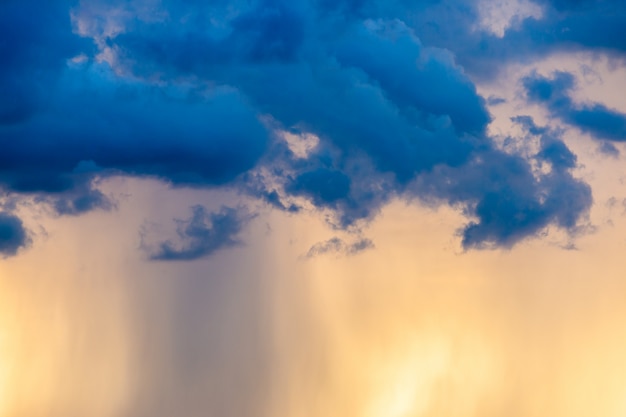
x: 579, y: 25
x: 196, y: 93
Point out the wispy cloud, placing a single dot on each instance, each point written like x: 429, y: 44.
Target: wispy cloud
x: 338, y: 246
x: 593, y: 118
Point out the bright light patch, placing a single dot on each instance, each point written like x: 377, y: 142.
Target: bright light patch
x: 498, y: 17
x: 301, y: 145
x: 407, y: 384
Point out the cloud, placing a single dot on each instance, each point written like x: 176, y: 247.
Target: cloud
x: 411, y: 76
x: 34, y: 52
x: 561, y: 26
x: 338, y: 246
x: 593, y: 118
x: 495, y: 100
x: 507, y: 198
x: 199, y: 94
x: 586, y: 24
x: 607, y: 148
x: 56, y: 114
x: 381, y: 127
x: 184, y: 137
x: 82, y: 198
x: 202, y: 234
x: 13, y: 235
x: 323, y: 186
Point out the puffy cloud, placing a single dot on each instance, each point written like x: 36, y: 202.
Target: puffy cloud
x: 197, y: 93
x: 182, y: 137
x: 507, y: 198
x: 82, y: 112
x: 561, y: 26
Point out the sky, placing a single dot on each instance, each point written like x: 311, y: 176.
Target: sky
x: 312, y: 208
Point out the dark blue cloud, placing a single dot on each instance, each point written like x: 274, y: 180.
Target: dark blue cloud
x: 13, y: 235
x: 412, y: 76
x: 203, y: 234
x: 507, y: 199
x: 183, y: 137
x: 196, y: 94
x: 585, y: 23
x: 339, y: 91
x: 84, y: 197
x: 553, y: 150
x: 348, y: 103
x: 558, y: 154
x: 564, y: 26
x: 35, y: 44
x: 57, y: 115
x: 324, y: 187
x: 596, y: 119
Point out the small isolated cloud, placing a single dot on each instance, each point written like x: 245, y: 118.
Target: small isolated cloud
x: 595, y: 119
x: 495, y: 100
x: 339, y: 247
x: 13, y: 235
x: 203, y: 234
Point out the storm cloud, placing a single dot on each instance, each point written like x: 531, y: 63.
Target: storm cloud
x: 196, y: 94
x: 552, y: 26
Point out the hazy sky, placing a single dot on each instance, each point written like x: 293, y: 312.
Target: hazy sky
x: 312, y: 208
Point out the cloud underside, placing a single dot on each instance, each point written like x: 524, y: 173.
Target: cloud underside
x: 595, y: 119
x: 204, y: 102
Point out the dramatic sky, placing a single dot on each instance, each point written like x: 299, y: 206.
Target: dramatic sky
x: 312, y: 208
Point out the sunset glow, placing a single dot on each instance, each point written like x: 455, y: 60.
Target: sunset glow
x: 312, y: 208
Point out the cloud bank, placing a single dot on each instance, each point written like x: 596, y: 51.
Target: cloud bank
x: 198, y: 94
